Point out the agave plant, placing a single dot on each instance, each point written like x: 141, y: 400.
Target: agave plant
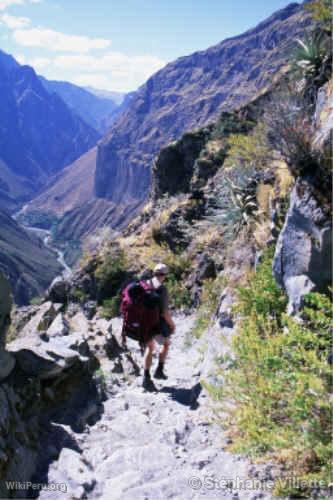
x: 312, y: 59
x: 236, y: 202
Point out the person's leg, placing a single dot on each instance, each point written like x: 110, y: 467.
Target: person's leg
x: 147, y: 382
x: 164, y: 352
x: 159, y: 373
x: 148, y: 355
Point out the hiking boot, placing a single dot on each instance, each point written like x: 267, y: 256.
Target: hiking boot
x: 148, y: 384
x: 159, y: 373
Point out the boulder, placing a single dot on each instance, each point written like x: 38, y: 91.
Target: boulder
x: 225, y: 314
x: 48, y: 359
x: 19, y: 435
x: 59, y: 290
x: 7, y: 363
x: 324, y: 118
x: 302, y: 260
x: 59, y: 327
x: 206, y: 268
x: 297, y: 287
x: 42, y: 319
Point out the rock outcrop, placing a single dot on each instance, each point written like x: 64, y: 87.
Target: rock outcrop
x: 303, y: 258
x: 48, y: 385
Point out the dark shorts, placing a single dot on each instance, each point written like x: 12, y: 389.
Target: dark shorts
x: 163, y: 334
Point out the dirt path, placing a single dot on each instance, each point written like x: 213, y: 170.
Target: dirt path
x: 152, y: 446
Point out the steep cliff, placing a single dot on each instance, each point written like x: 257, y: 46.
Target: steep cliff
x: 183, y: 96
x: 29, y: 265
x: 39, y: 134
x: 96, y: 111
x: 303, y: 258
x: 189, y: 93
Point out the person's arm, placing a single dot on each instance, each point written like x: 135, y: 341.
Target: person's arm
x: 166, y: 311
x: 168, y: 318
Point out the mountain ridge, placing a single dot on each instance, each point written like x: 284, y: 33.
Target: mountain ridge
x: 39, y: 135
x: 96, y: 111
x: 188, y: 93
x: 185, y: 95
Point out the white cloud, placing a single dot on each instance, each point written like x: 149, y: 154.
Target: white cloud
x: 36, y: 62
x: 40, y: 62
x: 112, y: 61
x: 92, y: 80
x: 4, y: 4
x: 72, y: 59
x: 113, y: 70
x: 14, y: 22
x: 57, y: 41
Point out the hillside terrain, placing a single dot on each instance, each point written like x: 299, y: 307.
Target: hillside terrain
x: 240, y: 211
x: 39, y: 134
x: 24, y: 259
x: 98, y: 111
x: 184, y: 95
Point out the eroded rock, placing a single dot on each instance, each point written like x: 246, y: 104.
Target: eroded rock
x: 303, y: 253
x: 59, y: 290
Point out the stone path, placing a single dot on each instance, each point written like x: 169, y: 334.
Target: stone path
x: 152, y: 446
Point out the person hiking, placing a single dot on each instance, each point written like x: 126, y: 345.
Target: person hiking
x: 147, y: 319
x: 162, y: 336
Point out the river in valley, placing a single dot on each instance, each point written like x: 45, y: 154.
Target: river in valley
x: 46, y: 237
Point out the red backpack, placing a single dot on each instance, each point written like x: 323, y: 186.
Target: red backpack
x: 140, y: 309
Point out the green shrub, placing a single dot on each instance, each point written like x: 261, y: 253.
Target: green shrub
x: 79, y: 296
x: 110, y: 307
x: 276, y: 391
x: 180, y: 296
x: 110, y: 274
x: 232, y: 123
x: 210, y: 298
x: 262, y: 296
x: 322, y: 12
x: 250, y: 150
x: 36, y: 301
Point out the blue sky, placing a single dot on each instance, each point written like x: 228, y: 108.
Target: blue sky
x: 118, y: 44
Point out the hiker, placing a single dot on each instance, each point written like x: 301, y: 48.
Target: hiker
x: 147, y: 319
x: 166, y: 328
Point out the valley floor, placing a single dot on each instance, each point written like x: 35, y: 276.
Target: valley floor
x: 152, y: 446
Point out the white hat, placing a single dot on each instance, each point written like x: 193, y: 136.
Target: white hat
x: 161, y: 269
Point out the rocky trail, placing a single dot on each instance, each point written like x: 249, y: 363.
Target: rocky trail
x: 139, y: 445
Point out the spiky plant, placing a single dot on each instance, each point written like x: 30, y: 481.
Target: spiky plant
x: 312, y: 60
x: 235, y: 203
